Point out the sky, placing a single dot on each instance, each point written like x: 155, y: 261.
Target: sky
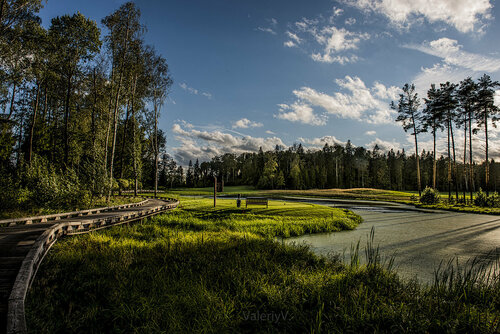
x: 261, y: 73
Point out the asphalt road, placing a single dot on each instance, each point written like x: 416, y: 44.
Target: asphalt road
x: 418, y: 241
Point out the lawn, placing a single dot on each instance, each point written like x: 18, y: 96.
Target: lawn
x: 353, y: 193
x: 201, y: 269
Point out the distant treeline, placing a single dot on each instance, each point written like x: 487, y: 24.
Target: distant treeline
x: 337, y: 166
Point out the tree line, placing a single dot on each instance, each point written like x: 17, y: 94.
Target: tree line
x: 334, y: 166
x: 78, y: 112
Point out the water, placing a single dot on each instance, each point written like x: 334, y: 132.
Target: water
x: 418, y: 241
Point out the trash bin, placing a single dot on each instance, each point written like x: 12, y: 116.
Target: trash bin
x: 238, y: 201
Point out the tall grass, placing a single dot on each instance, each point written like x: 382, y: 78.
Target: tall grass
x: 173, y: 275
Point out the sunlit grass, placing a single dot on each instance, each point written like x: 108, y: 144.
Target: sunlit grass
x: 217, y: 270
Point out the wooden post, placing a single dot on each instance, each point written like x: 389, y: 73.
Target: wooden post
x: 215, y: 191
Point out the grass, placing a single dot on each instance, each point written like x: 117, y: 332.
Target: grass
x: 405, y: 197
x: 205, y: 270
x: 97, y: 203
x: 353, y: 193
x: 461, y: 208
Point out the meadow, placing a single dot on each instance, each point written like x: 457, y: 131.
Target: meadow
x: 404, y: 197
x: 201, y: 269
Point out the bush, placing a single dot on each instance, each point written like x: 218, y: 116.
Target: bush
x: 481, y: 199
x: 494, y: 200
x: 430, y: 196
x: 44, y: 187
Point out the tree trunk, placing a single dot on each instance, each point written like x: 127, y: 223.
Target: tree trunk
x: 418, y: 162
x: 32, y: 128
x: 454, y: 161
x: 465, y: 159
x: 2, y: 5
x: 449, y: 161
x: 134, y: 146
x: 434, y: 162
x: 12, y: 99
x: 113, y: 143
x: 66, y: 122
x: 471, y: 166
x: 115, y: 112
x: 156, y: 149
x: 124, y: 135
x: 110, y: 107
x: 487, y: 167
x: 94, y: 106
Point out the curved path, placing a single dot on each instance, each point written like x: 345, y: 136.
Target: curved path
x: 418, y: 239
x: 24, y: 244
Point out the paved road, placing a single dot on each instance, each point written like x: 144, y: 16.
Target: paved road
x: 418, y: 240
x: 16, y: 241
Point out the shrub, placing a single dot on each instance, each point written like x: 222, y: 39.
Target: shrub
x: 43, y: 186
x: 481, y: 199
x: 430, y: 196
x: 494, y: 200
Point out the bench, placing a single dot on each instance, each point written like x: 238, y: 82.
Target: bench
x: 256, y: 201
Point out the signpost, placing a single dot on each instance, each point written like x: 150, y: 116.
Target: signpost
x: 215, y: 191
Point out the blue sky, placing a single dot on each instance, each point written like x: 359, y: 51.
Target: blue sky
x: 259, y: 73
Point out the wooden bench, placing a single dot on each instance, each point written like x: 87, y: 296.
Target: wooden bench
x: 256, y: 201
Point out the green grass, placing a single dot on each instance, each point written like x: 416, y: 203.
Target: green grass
x: 99, y: 202
x: 461, y: 208
x: 194, y: 270
x: 283, y: 219
x: 404, y: 197
x: 353, y: 193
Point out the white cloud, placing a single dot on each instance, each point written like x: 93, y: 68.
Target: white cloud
x: 464, y: 15
x: 296, y: 39
x: 319, y: 143
x: 204, y: 145
x: 194, y: 91
x: 370, y: 105
x: 337, y: 11
x: 439, y: 73
x: 350, y: 21
x: 300, y: 112
x: 336, y: 45
x: 452, y: 54
x: 336, y: 41
x: 384, y: 145
x: 269, y: 132
x: 268, y: 30
x: 371, y: 133
x: 245, y: 123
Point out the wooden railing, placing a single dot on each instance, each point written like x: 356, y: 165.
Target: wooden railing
x: 16, y: 322
x: 59, y: 216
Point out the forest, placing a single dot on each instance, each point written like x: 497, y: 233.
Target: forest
x: 79, y: 107
x: 79, y: 111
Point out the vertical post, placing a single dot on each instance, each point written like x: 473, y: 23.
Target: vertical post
x: 215, y: 191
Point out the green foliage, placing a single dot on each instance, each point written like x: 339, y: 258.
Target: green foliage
x: 492, y: 201
x: 43, y: 186
x: 430, y: 196
x: 185, y: 272
x: 481, y: 199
